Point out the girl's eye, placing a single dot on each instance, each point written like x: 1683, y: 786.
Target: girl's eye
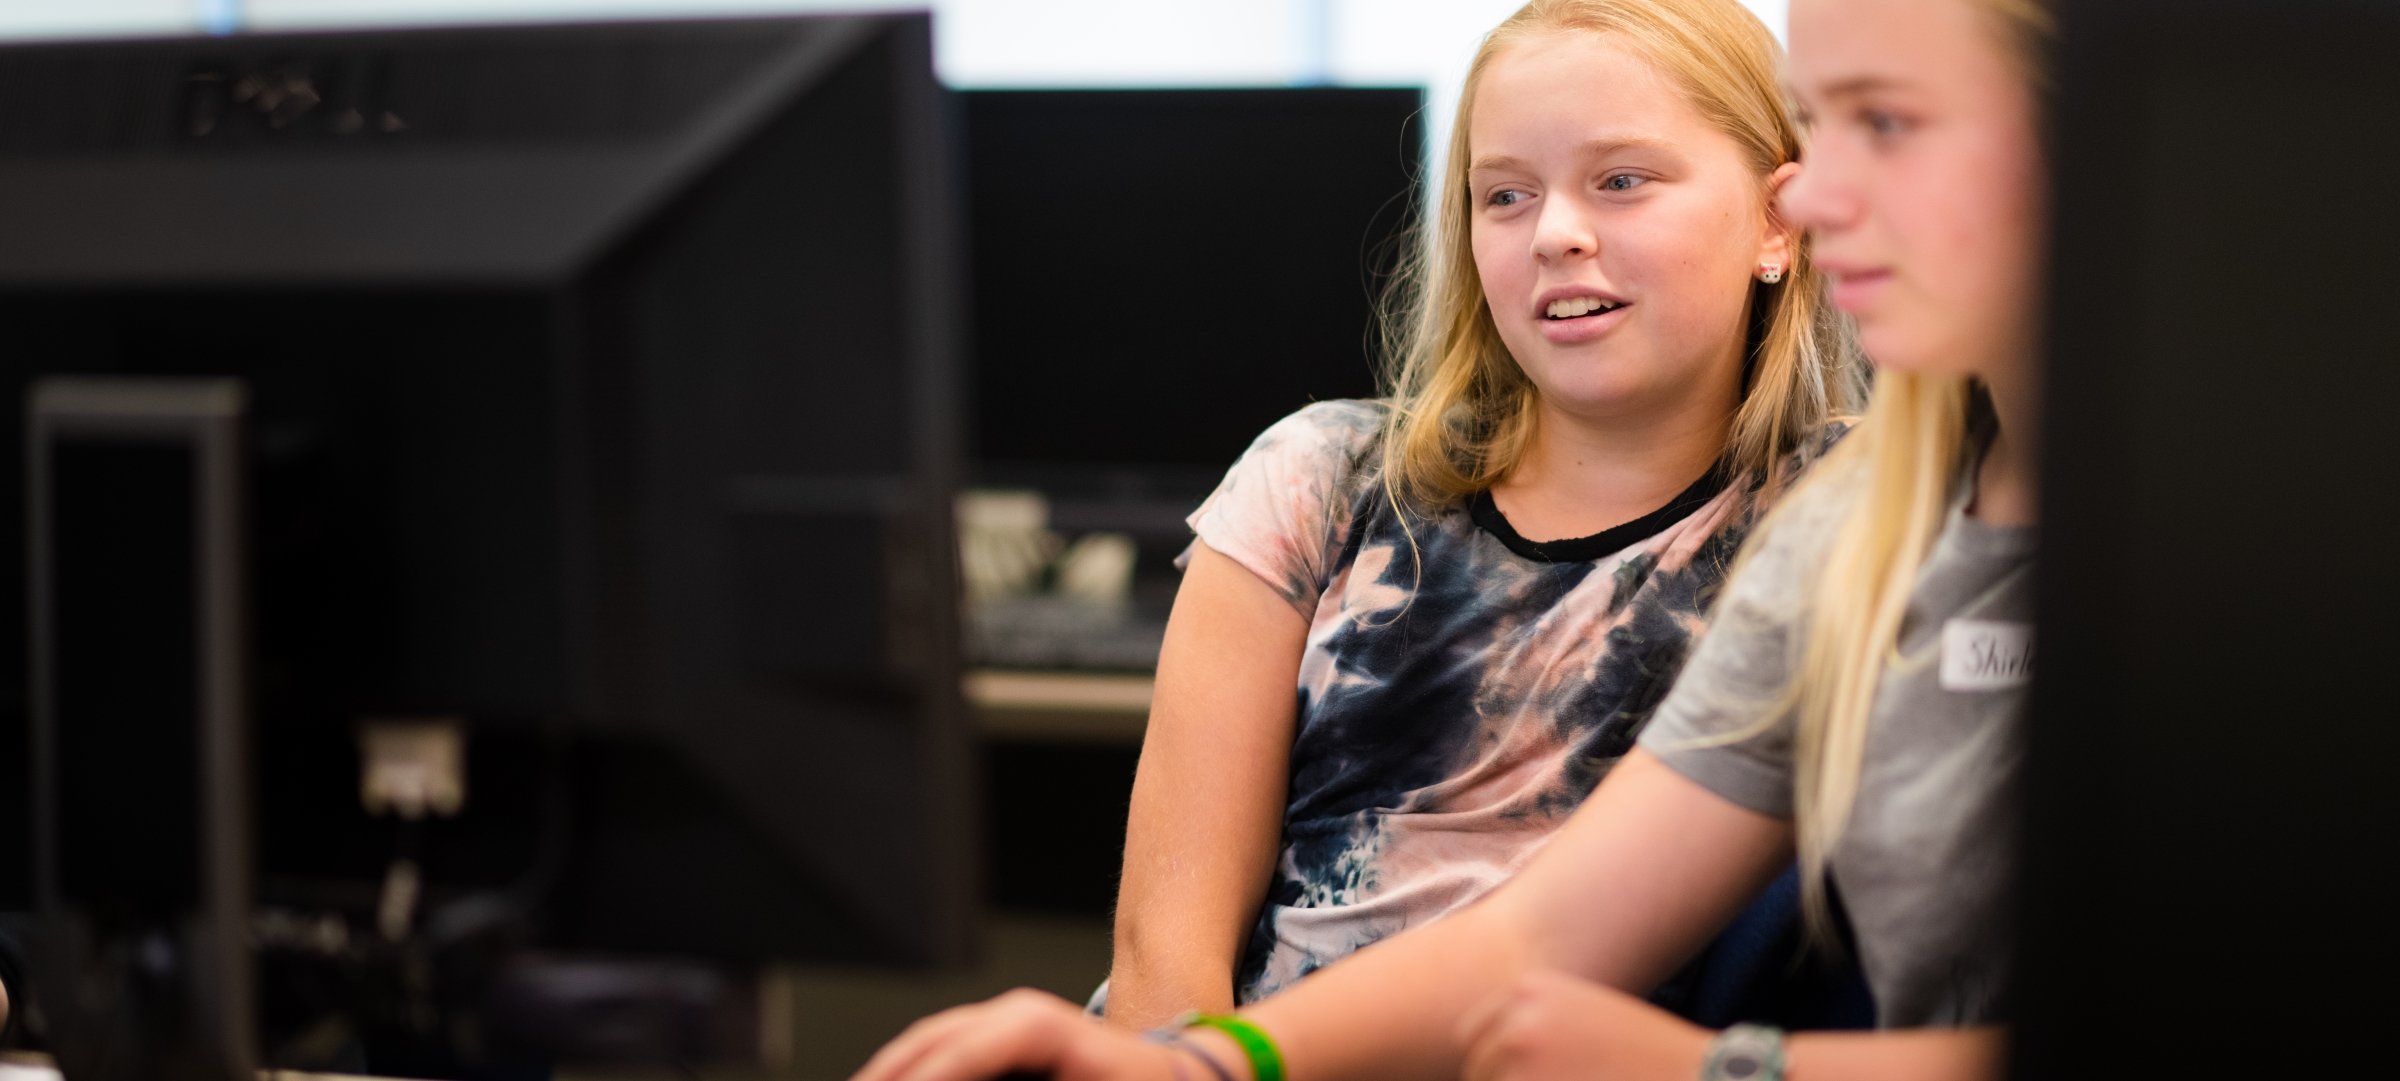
x: 1505, y: 197
x: 1883, y: 125
x: 1624, y: 182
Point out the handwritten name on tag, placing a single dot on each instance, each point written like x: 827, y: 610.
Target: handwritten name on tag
x: 1986, y: 655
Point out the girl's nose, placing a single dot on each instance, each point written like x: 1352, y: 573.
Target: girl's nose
x: 1563, y: 232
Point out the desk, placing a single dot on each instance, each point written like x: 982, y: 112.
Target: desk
x: 1060, y: 707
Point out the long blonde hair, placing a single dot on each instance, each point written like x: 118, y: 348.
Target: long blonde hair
x: 1915, y: 442
x: 1463, y: 412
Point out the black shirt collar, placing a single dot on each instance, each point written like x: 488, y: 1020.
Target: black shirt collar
x: 1486, y: 515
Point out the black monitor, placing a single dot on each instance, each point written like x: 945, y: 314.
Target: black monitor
x: 1160, y: 274
x: 583, y: 397
x: 2214, y: 826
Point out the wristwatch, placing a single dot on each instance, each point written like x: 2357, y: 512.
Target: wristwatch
x: 1744, y: 1053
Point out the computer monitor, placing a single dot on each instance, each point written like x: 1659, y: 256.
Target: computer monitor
x: 584, y: 393
x: 2213, y: 823
x: 1160, y: 274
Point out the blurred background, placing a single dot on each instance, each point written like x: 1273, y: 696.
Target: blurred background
x: 557, y: 624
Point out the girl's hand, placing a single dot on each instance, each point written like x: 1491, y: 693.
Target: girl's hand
x: 1552, y: 1026
x: 1021, y: 1031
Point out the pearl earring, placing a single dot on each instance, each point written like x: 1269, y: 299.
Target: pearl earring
x: 1770, y: 274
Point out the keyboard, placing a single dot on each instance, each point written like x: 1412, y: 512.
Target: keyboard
x: 1063, y: 633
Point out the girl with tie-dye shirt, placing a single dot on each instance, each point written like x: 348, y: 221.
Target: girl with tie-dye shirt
x: 1413, y: 634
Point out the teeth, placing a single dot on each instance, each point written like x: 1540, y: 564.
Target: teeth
x: 1575, y: 306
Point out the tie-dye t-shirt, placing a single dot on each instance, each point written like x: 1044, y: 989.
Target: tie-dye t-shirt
x: 1457, y: 698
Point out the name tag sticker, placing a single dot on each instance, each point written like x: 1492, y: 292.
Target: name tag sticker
x: 1986, y: 655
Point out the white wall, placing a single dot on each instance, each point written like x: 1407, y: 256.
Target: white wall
x: 107, y: 18
x: 981, y: 42
x: 978, y: 42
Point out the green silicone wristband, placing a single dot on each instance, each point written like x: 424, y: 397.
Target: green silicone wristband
x: 1266, y: 1062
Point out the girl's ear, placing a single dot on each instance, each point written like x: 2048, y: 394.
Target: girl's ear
x: 1781, y: 241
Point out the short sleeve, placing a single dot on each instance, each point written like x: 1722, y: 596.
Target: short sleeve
x: 1283, y: 510
x: 1727, y: 723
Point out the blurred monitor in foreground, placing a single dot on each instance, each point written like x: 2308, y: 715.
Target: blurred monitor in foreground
x: 480, y: 491
x: 2213, y: 817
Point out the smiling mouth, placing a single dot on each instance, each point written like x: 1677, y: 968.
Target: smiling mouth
x: 1561, y: 311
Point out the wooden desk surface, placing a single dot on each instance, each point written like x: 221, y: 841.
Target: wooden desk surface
x: 1070, y: 707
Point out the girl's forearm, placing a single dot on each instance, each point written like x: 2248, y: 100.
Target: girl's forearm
x: 1928, y: 1054
x: 1157, y: 977
x: 1184, y: 910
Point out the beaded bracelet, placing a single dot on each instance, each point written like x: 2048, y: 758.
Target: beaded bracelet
x: 1172, y: 1038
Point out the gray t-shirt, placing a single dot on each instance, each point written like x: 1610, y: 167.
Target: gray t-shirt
x: 1924, y: 866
